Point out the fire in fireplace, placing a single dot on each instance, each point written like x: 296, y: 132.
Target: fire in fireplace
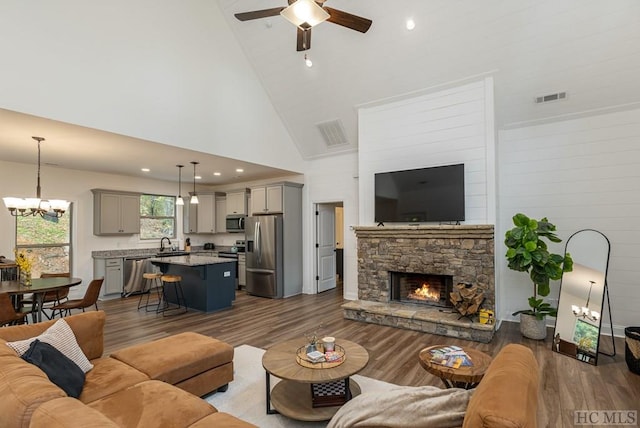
x: 427, y: 289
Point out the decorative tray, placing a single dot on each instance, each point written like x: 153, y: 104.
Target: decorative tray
x: 305, y: 361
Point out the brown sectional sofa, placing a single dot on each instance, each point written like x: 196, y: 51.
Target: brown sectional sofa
x: 127, y: 389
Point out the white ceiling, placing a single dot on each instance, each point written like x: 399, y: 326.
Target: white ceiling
x: 588, y: 48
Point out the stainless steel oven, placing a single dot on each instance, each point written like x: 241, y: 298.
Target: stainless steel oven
x: 235, y: 223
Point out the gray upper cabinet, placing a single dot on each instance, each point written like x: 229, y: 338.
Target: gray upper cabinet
x: 201, y: 218
x: 272, y: 198
x: 266, y: 199
x: 115, y: 213
x: 237, y: 202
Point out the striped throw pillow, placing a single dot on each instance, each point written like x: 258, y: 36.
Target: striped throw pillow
x: 61, y: 337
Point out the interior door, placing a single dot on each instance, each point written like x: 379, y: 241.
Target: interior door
x: 325, y: 247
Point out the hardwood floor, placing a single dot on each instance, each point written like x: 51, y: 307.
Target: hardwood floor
x: 565, y: 385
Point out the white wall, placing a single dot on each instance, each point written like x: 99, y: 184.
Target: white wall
x: 446, y: 126
x: 581, y: 173
x: 327, y: 180
x: 164, y: 71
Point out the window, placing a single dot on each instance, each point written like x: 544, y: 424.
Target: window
x: 157, y: 216
x: 46, y: 241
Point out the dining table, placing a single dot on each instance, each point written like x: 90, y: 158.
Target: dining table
x: 38, y: 286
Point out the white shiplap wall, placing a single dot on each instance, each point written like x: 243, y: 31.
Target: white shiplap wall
x: 582, y: 173
x: 445, y: 126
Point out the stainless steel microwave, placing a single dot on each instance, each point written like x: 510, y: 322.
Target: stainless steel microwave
x: 235, y: 223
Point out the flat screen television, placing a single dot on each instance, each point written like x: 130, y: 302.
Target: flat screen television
x: 434, y: 194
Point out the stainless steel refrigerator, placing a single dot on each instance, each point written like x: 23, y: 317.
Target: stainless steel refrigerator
x: 264, y: 254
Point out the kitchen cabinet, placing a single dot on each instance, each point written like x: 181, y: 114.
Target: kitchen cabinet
x: 221, y: 212
x: 242, y: 270
x: 201, y: 217
x: 273, y: 198
x: 115, y: 213
x: 276, y: 198
x: 237, y: 202
x: 112, y: 272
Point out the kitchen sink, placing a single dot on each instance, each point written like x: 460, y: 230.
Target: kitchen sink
x: 171, y: 253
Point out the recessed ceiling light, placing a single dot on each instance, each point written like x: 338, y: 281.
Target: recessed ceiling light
x: 145, y: 170
x: 217, y: 174
x: 197, y: 177
x: 239, y: 170
x: 411, y: 24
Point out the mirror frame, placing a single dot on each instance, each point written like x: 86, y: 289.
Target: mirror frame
x: 555, y: 343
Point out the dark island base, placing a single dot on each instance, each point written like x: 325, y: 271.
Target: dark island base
x: 207, y: 288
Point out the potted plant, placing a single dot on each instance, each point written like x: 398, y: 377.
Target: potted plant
x: 528, y: 252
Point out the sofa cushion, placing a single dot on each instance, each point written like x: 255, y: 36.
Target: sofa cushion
x: 109, y: 376
x: 88, y: 328
x: 23, y: 387
x: 512, y: 373
x: 68, y: 412
x: 221, y: 419
x: 153, y: 404
x: 61, y: 337
x: 176, y: 358
x: 59, y: 369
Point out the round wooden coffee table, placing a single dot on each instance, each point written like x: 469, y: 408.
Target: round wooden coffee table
x: 466, y: 377
x: 292, y: 396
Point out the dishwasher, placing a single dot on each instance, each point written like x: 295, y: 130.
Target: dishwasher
x: 134, y: 267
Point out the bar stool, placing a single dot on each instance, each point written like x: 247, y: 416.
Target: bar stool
x: 176, y: 280
x: 152, y: 282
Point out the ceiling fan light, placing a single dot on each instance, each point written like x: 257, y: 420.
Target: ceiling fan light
x: 305, y: 14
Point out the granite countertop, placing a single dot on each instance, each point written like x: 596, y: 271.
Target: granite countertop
x: 191, y: 260
x: 149, y: 252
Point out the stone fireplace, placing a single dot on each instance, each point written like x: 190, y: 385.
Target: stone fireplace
x: 395, y: 261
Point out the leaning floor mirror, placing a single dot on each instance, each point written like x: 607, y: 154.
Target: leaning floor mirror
x: 582, y: 297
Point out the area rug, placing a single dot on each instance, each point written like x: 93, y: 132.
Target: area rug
x: 246, y: 398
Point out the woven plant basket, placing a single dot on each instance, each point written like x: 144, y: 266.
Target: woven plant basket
x: 632, y: 348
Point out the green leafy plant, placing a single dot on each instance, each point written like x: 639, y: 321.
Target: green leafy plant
x: 528, y: 252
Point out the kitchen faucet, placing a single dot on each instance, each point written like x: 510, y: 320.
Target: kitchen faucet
x: 162, y: 242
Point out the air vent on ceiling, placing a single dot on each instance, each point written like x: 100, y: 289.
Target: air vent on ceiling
x: 333, y: 133
x: 558, y: 96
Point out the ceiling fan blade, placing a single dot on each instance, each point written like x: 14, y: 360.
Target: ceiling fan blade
x: 348, y: 20
x: 257, y: 14
x: 304, y: 39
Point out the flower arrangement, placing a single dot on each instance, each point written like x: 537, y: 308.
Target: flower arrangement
x: 24, y: 264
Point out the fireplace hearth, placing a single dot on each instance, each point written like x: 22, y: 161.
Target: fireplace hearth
x: 420, y: 288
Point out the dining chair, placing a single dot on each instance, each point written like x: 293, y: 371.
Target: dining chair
x: 52, y: 297
x: 8, y: 314
x: 90, y: 299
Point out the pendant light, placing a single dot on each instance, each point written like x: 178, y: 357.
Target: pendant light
x: 180, y: 201
x: 194, y: 197
x: 24, y: 207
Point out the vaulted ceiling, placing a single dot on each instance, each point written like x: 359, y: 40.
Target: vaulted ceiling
x: 589, y: 49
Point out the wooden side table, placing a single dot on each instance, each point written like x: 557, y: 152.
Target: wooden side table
x: 466, y: 377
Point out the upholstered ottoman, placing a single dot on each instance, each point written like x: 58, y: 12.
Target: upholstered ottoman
x: 193, y: 362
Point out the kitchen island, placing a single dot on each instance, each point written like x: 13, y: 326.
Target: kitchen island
x: 208, y: 283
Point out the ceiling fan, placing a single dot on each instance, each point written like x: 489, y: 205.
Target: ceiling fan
x: 305, y: 14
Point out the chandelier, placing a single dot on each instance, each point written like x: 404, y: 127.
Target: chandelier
x: 585, y: 312
x: 23, y: 207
